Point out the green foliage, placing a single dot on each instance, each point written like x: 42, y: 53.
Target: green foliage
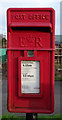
x: 11, y: 117
x: 58, y: 78
x: 40, y: 117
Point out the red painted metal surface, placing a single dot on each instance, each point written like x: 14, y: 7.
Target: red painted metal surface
x: 31, y: 29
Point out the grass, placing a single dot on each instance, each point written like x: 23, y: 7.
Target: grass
x: 40, y: 117
x: 11, y: 117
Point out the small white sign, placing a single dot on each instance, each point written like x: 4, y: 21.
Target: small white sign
x: 30, y: 77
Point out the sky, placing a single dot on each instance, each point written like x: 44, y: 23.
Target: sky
x: 5, y: 4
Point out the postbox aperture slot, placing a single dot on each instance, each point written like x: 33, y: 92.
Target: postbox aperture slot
x: 41, y: 29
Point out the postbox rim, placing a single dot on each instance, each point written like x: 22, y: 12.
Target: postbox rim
x: 49, y: 8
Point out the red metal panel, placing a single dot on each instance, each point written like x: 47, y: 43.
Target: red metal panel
x: 31, y: 29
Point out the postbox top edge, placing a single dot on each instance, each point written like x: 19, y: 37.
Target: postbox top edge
x: 47, y: 9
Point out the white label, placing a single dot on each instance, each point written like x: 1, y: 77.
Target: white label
x: 29, y: 76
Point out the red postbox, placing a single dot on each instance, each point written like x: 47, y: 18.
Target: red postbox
x: 31, y: 45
